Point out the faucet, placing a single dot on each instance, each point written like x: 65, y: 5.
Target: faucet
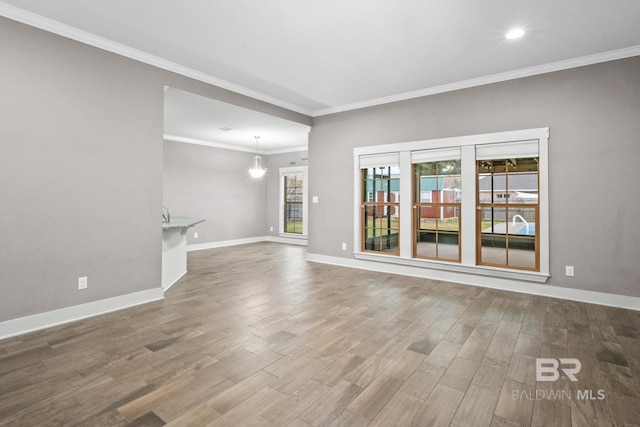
x: 166, y: 215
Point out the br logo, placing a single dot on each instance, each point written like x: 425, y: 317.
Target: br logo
x: 548, y: 369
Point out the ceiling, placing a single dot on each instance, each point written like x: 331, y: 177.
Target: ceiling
x: 321, y: 57
x: 199, y: 120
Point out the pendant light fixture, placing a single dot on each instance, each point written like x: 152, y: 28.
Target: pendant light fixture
x: 257, y: 171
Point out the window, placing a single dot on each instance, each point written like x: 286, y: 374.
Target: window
x: 293, y: 204
x: 436, y: 209
x: 293, y: 211
x: 381, y: 216
x: 507, y: 211
x: 380, y: 204
x: 478, y: 205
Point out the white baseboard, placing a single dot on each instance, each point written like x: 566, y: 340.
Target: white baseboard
x: 601, y: 298
x: 225, y: 243
x: 174, y: 282
x: 288, y: 240
x: 22, y: 325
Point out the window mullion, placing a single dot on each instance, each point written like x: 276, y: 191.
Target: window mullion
x: 468, y: 205
x: 406, y: 208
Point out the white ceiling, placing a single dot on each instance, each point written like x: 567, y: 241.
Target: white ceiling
x: 199, y: 120
x: 319, y: 57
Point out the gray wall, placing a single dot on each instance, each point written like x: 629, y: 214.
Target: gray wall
x: 81, y: 169
x: 594, y: 118
x: 214, y: 184
x: 81, y: 166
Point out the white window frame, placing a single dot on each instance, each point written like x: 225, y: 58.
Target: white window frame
x: 293, y: 171
x: 467, y: 145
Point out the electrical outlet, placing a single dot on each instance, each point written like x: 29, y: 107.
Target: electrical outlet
x: 270, y: 228
x: 344, y: 246
x: 195, y: 235
x: 569, y: 270
x: 82, y: 282
x: 314, y: 199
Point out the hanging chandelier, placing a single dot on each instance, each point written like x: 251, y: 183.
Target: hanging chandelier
x: 257, y: 171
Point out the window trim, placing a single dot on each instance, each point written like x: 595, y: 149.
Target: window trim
x: 467, y: 146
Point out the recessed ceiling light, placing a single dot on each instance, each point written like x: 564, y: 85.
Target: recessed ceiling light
x: 515, y: 33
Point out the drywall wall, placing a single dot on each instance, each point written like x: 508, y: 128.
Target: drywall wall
x: 592, y: 113
x: 80, y: 169
x: 213, y: 183
x: 81, y: 166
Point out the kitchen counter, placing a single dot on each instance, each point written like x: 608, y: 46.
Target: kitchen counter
x: 174, y: 248
x: 181, y: 222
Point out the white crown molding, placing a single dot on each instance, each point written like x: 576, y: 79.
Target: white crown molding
x: 55, y: 27
x: 213, y: 144
x: 287, y: 150
x: 67, y: 31
x: 506, y: 284
x: 494, y: 78
x: 231, y: 147
x: 48, y: 319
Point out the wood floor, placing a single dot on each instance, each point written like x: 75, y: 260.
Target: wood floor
x: 254, y: 335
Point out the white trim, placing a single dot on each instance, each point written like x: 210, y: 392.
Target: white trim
x: 72, y: 33
x: 460, y: 141
x: 174, y: 282
x: 229, y: 146
x: 380, y: 160
x: 294, y: 236
x: 495, y: 272
x: 225, y: 243
x: 300, y: 241
x: 290, y: 169
x: 507, y: 150
x: 67, y: 31
x: 506, y: 284
x: 468, y: 210
x: 357, y: 202
x: 543, y: 204
x: 48, y: 319
x: 435, y: 155
x: 406, y: 205
x: 287, y: 150
x: 494, y: 78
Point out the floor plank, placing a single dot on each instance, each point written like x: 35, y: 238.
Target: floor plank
x: 255, y: 335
